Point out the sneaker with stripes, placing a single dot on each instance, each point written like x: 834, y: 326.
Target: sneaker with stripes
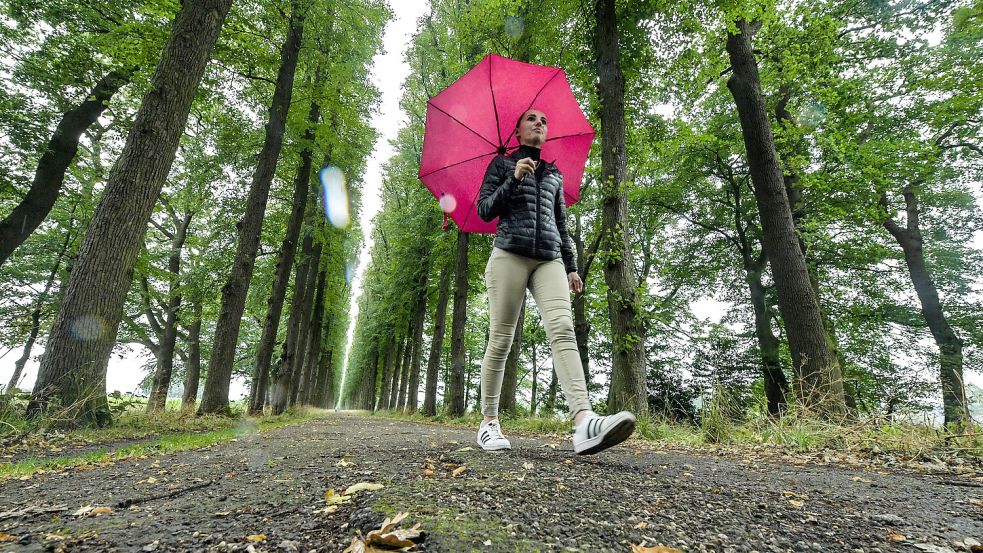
x: 490, y: 437
x: 596, y: 433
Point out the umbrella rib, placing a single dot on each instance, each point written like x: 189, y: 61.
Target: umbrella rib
x: 498, y: 125
x: 454, y: 164
x: 462, y: 124
x: 536, y: 97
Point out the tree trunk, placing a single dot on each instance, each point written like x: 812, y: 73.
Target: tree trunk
x: 83, y: 333
x: 954, y: 404
x: 413, y: 389
x: 393, y: 386
x: 404, y: 374
x: 387, y: 373
x: 304, y: 334
x: 455, y: 401
x: 216, y: 396
x: 551, y: 393
x: 628, y: 389
x: 288, y: 249
x: 510, y: 380
x: 776, y: 385
x: 369, y: 376
x: 283, y: 376
x: 162, y: 377
x: 50, y: 173
x: 819, y: 383
x: 326, y: 380
x: 307, y: 384
x: 36, y: 316
x: 535, y: 380
x: 193, y: 370
x: 437, y: 344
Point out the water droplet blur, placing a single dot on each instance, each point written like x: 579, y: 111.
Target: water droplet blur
x: 514, y: 26
x: 87, y: 327
x: 349, y: 272
x: 812, y: 115
x: 335, y: 196
x: 448, y: 203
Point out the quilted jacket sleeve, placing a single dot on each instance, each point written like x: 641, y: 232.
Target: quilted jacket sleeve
x: 496, y: 189
x: 567, y: 247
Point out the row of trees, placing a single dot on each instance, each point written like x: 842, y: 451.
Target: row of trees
x: 813, y: 167
x: 162, y: 188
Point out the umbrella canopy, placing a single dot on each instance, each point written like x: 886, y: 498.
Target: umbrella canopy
x: 473, y: 120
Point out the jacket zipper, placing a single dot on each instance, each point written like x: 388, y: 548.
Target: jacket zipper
x: 535, y: 248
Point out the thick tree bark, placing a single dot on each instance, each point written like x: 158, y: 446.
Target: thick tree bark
x: 36, y: 316
x: 50, y: 173
x: 437, y: 343
x: 628, y: 388
x: 954, y: 405
x: 282, y: 375
x: 168, y: 340
x: 193, y: 369
x: 387, y: 373
x: 326, y: 381
x: 82, y: 336
x: 510, y: 380
x: 304, y: 334
x: 455, y: 393
x: 216, y: 396
x: 288, y: 249
x: 392, y: 387
x: 819, y: 382
x: 581, y: 325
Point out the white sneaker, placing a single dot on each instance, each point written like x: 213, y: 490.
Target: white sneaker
x: 596, y: 433
x: 490, y: 437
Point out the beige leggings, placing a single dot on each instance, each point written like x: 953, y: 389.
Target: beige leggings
x: 507, y: 276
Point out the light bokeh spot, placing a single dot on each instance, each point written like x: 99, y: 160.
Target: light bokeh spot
x: 448, y: 203
x: 87, y: 327
x: 335, y: 198
x: 514, y: 26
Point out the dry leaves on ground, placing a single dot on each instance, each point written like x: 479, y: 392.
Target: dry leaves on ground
x: 387, y: 538
x: 653, y: 549
x: 90, y: 511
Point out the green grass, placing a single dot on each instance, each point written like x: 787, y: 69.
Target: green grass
x: 180, y: 432
x: 791, y: 433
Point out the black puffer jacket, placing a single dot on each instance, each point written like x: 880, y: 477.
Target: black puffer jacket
x: 532, y: 214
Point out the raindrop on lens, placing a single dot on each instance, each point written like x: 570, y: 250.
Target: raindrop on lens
x: 349, y: 272
x: 448, y: 203
x: 514, y: 26
x: 335, y: 196
x: 812, y: 115
x: 87, y: 328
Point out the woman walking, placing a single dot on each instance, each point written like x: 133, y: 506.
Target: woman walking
x: 533, y: 250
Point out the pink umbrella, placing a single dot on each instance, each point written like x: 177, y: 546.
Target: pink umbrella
x: 473, y: 120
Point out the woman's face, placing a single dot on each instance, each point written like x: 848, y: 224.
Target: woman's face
x: 532, y: 128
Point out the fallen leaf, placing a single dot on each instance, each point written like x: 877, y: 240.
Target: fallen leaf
x: 686, y: 474
x: 89, y: 510
x: 797, y: 503
x: 58, y: 537
x: 653, y: 549
x: 150, y: 480
x: 894, y: 536
x: 222, y: 513
x: 428, y: 473
x: 327, y: 510
x: 976, y: 502
x: 464, y: 449
x: 343, y: 463
x: 335, y: 499
x: 568, y: 462
x: 527, y: 465
x: 256, y: 538
x: 362, y: 486
x: 7, y: 537
x: 641, y: 525
x: 458, y: 470
x: 864, y: 480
